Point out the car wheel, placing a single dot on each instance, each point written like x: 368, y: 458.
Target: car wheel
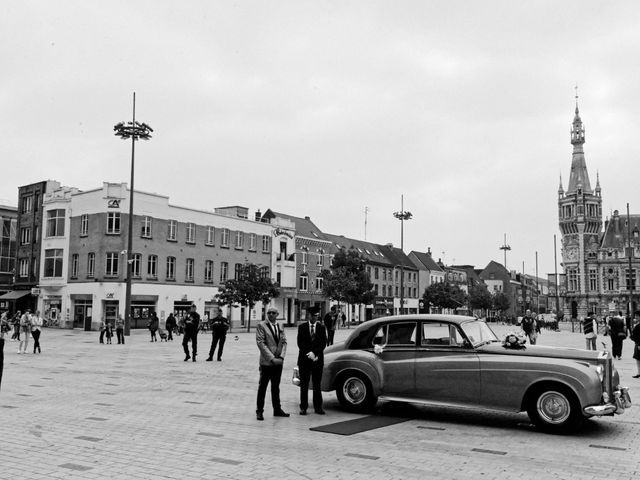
x: 555, y: 409
x: 355, y: 393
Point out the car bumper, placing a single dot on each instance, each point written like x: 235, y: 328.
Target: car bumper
x: 621, y: 401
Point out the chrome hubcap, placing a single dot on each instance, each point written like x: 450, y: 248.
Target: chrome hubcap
x: 354, y: 390
x: 553, y: 407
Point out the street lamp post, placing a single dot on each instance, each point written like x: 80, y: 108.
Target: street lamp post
x: 133, y: 130
x: 402, y: 216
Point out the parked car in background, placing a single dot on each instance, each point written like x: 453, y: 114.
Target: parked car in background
x: 459, y: 361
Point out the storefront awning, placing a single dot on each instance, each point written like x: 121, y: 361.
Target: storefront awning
x: 14, y: 294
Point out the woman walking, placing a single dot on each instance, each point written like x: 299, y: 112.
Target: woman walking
x: 25, y: 330
x: 635, y: 336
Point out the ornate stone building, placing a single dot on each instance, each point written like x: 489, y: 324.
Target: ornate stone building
x: 596, y: 262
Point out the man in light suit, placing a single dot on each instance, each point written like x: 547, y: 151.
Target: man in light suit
x: 272, y: 343
x: 312, y: 340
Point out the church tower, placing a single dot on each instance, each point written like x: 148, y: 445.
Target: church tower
x: 580, y: 220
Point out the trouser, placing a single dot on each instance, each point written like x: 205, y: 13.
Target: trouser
x: 170, y: 334
x: 215, y: 339
x: 16, y: 332
x: 193, y: 336
x: 101, y: 336
x: 36, y: 340
x: 616, y: 345
x: 591, y: 343
x: 313, y: 373
x: 269, y: 373
x: 330, y: 335
x: 24, y: 342
x: 120, y: 335
x: 1, y: 358
x: 153, y: 336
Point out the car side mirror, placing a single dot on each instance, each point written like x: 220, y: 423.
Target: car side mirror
x: 467, y: 344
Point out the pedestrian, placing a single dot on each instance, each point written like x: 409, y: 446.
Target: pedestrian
x: 343, y: 317
x: 530, y: 327
x: 103, y: 328
x: 120, y: 329
x: 4, y: 325
x: 16, y: 326
x: 170, y: 325
x: 312, y: 340
x: 617, y: 331
x: 219, y: 327
x: 635, y: 336
x: 590, y: 330
x: 330, y: 321
x: 36, y: 326
x: 25, y: 331
x: 108, y: 332
x: 272, y: 343
x: 191, y: 327
x: 153, y: 324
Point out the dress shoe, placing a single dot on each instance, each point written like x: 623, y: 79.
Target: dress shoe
x: 187, y: 358
x: 259, y: 416
x: 303, y: 412
x: 635, y: 376
x: 219, y: 359
x: 280, y: 413
x: 194, y: 358
x: 320, y: 412
x: 209, y: 359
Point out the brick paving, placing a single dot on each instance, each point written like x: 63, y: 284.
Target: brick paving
x: 82, y: 410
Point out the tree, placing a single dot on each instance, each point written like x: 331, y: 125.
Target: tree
x: 444, y: 295
x: 251, y: 286
x: 479, y: 297
x: 348, y: 281
x: 501, y: 302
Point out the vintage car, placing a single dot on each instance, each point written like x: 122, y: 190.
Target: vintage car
x: 458, y: 361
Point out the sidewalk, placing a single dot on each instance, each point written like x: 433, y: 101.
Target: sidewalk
x: 138, y: 411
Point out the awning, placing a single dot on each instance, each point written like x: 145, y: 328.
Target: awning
x: 15, y: 294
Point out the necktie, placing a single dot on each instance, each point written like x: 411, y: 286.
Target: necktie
x: 274, y: 330
x: 313, y: 331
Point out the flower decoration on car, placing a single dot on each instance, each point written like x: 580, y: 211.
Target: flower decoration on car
x: 514, y: 340
x: 377, y: 349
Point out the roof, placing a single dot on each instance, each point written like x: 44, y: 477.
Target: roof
x: 371, y: 252
x: 457, y: 319
x: 14, y: 294
x: 304, y: 226
x: 427, y: 261
x: 616, y: 231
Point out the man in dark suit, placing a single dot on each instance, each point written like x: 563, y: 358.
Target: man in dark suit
x: 312, y: 340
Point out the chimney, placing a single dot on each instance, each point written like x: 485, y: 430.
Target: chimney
x: 616, y: 221
x: 258, y: 216
x: 429, y: 251
x: 306, y: 217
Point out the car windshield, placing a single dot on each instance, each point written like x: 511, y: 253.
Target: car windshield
x: 479, y: 333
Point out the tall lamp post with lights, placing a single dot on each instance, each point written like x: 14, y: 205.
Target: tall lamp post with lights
x: 402, y: 215
x: 133, y: 130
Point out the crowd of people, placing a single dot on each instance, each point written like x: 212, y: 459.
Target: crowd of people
x: 24, y: 326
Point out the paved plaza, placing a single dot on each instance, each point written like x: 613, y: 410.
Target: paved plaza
x: 82, y: 410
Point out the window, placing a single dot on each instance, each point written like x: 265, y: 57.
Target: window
x: 304, y: 283
x: 237, y: 272
x: 171, y: 268
x: 25, y: 236
x: 396, y: 334
x: 172, y: 230
x: 136, y: 262
x: 111, y: 267
x: 91, y: 265
x: 253, y: 242
x: 573, y: 280
x: 113, y: 223
x: 440, y: 334
x: 208, y: 271
x: 320, y: 258
x: 27, y: 204
x: 224, y: 271
x: 384, y: 274
x: 319, y: 283
x: 593, y: 280
x: 24, y: 267
x: 191, y: 233
x: 189, y: 266
x: 369, y: 272
x: 630, y: 281
x: 84, y: 225
x: 75, y: 260
x: 55, y: 223
x: 53, y: 262
x: 146, y: 227
x: 211, y: 232
x: 610, y: 284
x: 239, y: 240
x: 152, y: 266
x: 264, y: 272
x: 304, y: 256
x: 266, y: 244
x: 224, y: 242
x: 375, y: 273
x: 384, y: 290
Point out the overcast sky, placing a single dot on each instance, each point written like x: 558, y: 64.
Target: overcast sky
x: 324, y: 108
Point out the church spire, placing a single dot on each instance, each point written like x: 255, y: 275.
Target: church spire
x: 579, y: 178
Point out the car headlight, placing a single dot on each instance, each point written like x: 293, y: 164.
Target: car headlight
x: 600, y: 372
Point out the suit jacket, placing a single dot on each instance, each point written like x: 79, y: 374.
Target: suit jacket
x: 306, y: 345
x: 269, y: 346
